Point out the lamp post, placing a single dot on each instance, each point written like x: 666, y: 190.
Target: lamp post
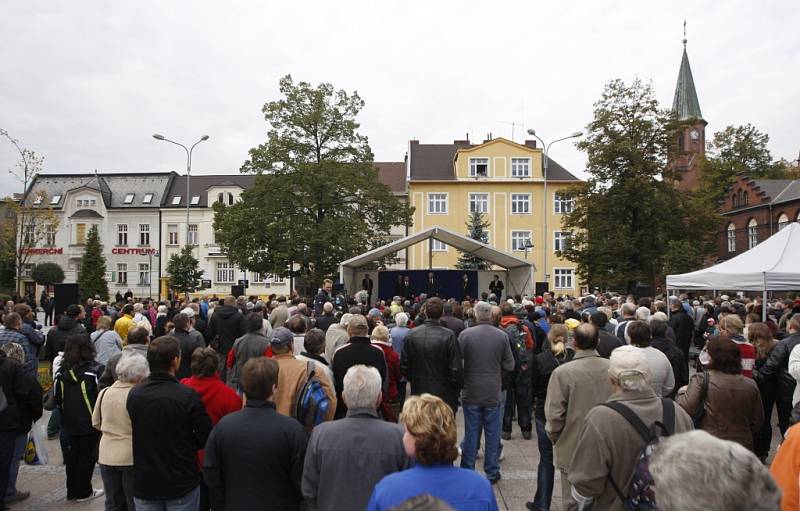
x: 546, y: 148
x: 188, y: 170
x: 528, y: 246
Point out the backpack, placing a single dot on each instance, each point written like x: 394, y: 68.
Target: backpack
x: 640, y: 493
x: 522, y: 356
x: 312, y: 403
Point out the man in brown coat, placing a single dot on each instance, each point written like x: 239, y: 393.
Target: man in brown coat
x: 573, y: 390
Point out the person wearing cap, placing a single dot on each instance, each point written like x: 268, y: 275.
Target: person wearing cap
x: 572, y: 391
x: 189, y: 338
x: 608, y: 447
x: 69, y: 324
x: 294, y: 373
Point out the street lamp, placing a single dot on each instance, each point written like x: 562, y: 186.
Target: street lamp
x: 546, y: 148
x: 188, y: 170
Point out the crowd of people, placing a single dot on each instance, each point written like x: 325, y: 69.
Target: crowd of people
x: 293, y: 403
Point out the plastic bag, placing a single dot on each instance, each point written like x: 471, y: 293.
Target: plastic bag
x: 36, y: 449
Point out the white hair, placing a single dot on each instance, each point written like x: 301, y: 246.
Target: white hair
x: 628, y: 309
x: 483, y: 311
x: 362, y: 386
x: 401, y: 319
x: 659, y: 316
x: 643, y: 314
x: 132, y: 368
x: 138, y: 307
x: 711, y: 473
x: 346, y: 317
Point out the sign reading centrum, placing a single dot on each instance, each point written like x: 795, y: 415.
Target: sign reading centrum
x: 134, y: 251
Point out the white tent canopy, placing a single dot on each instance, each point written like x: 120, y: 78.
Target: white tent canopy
x: 519, y: 271
x: 769, y: 266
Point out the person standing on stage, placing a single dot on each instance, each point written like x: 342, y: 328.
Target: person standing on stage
x: 432, y: 286
x: 367, y: 285
x: 464, y: 286
x: 496, y: 287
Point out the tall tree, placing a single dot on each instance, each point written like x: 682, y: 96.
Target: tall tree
x: 628, y: 216
x: 92, y: 272
x: 33, y: 216
x: 477, y: 229
x: 184, y: 273
x: 316, y: 200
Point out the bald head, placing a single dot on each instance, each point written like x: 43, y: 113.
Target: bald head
x: 586, y: 337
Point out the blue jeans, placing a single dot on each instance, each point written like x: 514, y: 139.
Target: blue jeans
x: 189, y: 502
x: 546, y: 472
x: 488, y: 417
x: 19, y: 451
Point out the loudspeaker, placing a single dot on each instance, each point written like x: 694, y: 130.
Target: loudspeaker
x: 64, y: 295
x: 542, y: 288
x: 237, y: 291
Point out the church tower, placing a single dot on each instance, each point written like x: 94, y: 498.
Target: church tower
x: 691, y: 139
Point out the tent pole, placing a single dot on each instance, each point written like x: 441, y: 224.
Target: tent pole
x: 430, y: 253
x: 764, y: 300
x: 669, y: 311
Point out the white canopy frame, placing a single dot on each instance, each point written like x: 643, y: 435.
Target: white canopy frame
x: 769, y: 266
x: 519, y: 272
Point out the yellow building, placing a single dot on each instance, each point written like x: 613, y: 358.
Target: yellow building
x: 504, y: 181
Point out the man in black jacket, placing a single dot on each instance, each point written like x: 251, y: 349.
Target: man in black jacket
x: 606, y: 341
x: 254, y: 457
x: 69, y: 324
x: 12, y: 381
x: 431, y: 358
x: 659, y: 341
x: 683, y: 326
x: 225, y: 326
x: 777, y: 367
x: 358, y: 351
x: 169, y: 425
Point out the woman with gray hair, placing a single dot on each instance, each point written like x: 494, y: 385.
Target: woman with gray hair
x: 681, y: 466
x: 111, y: 418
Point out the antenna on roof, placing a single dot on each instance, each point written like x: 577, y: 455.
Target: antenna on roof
x: 513, y: 124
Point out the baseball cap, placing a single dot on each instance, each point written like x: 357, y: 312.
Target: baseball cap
x: 628, y: 365
x: 281, y: 336
x: 572, y: 323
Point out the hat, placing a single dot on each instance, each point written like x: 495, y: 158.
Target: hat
x: 628, y: 365
x: 542, y: 313
x: 539, y: 300
x: 572, y: 323
x: 281, y: 336
x: 188, y: 311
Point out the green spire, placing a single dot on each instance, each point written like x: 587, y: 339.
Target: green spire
x: 685, y: 104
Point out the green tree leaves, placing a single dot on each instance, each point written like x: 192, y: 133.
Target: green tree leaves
x: 92, y: 272
x: 183, y: 271
x: 477, y: 229
x: 47, y: 274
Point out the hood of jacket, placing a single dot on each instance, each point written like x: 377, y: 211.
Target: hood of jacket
x: 225, y: 311
x: 136, y: 348
x: 509, y: 320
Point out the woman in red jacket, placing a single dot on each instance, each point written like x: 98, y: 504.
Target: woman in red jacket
x: 389, y: 405
x: 218, y: 399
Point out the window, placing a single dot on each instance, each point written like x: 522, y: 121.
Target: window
x: 80, y: 234
x: 144, y: 274
x: 148, y: 198
x: 92, y: 202
x: 731, y: 237
x: 122, y: 234
x: 129, y: 198
x: 50, y: 235
x: 783, y: 221
x: 176, y: 200
x: 561, y: 240
x: 221, y: 198
x: 564, y: 278
x: 225, y: 272
x: 38, y: 200
x: 275, y: 279
x: 563, y: 203
x: 519, y: 239
x: 122, y: 273
x: 144, y: 234
x: 230, y: 199
x: 195, y: 200
x: 29, y: 235
x: 746, y: 198
x: 752, y: 233
x: 479, y: 203
x: 520, y: 167
x: 437, y: 203
x: 520, y: 203
x: 438, y: 246
x: 55, y: 200
x: 172, y: 234
x: 192, y: 234
x: 27, y: 270
x: 734, y: 202
x: 478, y: 167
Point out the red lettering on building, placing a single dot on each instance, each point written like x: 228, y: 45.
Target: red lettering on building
x: 42, y: 251
x: 133, y: 251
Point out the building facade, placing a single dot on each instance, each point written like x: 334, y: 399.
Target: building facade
x: 754, y: 210
x: 505, y: 182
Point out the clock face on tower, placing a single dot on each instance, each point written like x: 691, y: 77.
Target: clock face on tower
x: 694, y: 134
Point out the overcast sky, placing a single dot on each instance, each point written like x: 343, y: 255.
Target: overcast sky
x: 85, y: 84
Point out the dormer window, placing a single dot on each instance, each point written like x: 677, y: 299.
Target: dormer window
x: 38, y: 200
x: 148, y: 198
x: 176, y: 200
x: 478, y: 167
x: 195, y: 200
x: 55, y: 200
x: 221, y: 198
x: 128, y: 198
x: 230, y: 199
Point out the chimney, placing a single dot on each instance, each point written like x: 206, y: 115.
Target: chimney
x: 414, y: 141
x: 530, y: 143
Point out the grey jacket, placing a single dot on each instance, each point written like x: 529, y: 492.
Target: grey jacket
x: 346, y: 458
x: 486, y: 353
x: 244, y: 348
x: 110, y: 374
x: 573, y: 390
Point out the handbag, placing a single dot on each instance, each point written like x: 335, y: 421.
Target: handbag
x: 700, y: 413
x: 49, y: 400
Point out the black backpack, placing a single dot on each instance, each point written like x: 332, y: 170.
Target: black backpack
x: 522, y: 357
x: 640, y: 495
